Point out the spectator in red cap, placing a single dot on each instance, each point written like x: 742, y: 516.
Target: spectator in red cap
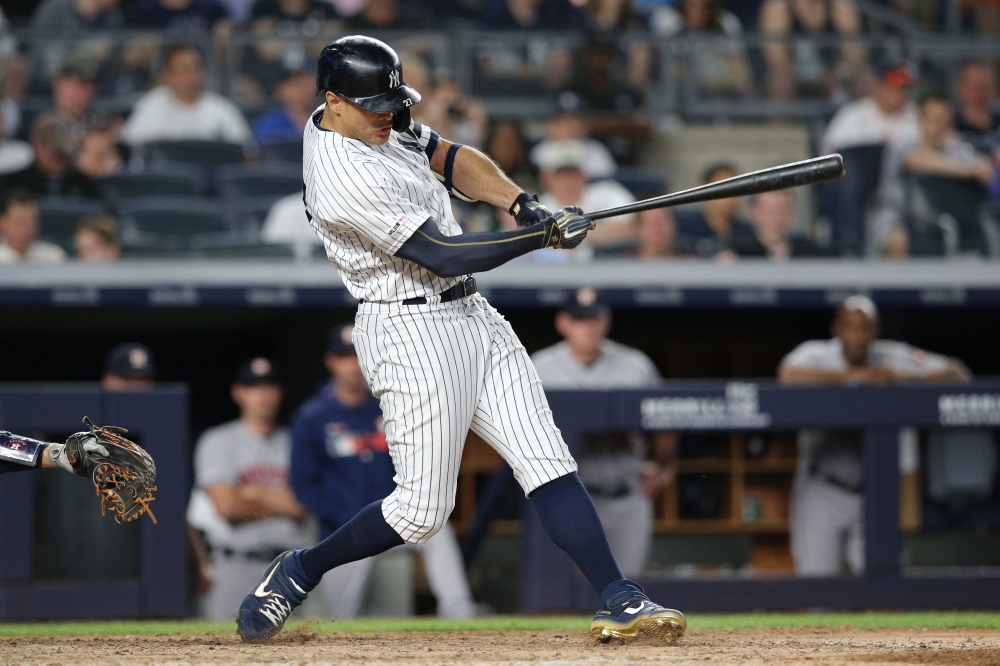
x: 888, y: 118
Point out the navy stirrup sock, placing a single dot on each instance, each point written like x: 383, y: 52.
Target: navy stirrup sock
x: 568, y: 515
x: 365, y: 535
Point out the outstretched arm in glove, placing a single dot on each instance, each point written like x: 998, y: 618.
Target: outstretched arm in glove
x: 19, y: 454
x: 451, y: 256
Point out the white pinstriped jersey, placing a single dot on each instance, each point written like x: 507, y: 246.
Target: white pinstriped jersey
x: 366, y: 201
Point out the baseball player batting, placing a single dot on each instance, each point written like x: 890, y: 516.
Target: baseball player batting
x: 440, y: 359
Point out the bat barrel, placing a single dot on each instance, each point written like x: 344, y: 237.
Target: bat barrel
x: 806, y: 172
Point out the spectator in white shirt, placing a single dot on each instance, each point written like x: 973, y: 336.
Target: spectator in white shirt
x: 286, y: 223
x: 886, y: 117
x: 181, y: 109
x: 564, y: 182
x: 14, y: 155
x: 19, y: 231
x: 568, y: 122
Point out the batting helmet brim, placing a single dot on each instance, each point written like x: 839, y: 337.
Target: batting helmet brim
x: 397, y: 99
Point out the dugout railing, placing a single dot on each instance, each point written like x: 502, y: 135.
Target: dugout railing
x: 550, y: 582
x: 158, y: 585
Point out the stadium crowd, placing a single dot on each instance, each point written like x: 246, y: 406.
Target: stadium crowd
x: 138, y: 128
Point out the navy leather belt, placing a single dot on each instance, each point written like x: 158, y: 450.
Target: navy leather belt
x: 466, y: 287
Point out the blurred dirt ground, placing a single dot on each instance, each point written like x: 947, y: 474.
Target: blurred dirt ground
x: 810, y: 645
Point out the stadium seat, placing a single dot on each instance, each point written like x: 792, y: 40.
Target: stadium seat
x: 155, y: 180
x: 949, y: 206
x: 236, y: 181
x: 848, y: 197
x: 989, y: 224
x: 175, y: 222
x: 281, y: 151
x: 250, y: 212
x: 643, y: 183
x: 207, y: 154
x: 60, y: 215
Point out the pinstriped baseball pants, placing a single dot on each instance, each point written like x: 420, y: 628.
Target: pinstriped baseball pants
x: 438, y: 371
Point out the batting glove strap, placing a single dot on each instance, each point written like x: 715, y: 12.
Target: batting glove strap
x: 527, y: 211
x: 567, y: 228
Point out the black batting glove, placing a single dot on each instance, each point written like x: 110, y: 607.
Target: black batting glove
x: 527, y: 211
x: 567, y: 228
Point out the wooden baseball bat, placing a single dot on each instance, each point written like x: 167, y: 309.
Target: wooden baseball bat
x: 806, y: 172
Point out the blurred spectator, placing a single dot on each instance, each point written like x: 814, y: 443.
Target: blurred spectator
x: 19, y: 231
x: 772, y: 215
x: 888, y: 118
x: 291, y: 14
x: 96, y: 239
x: 454, y: 115
x: 297, y: 94
x: 714, y: 228
x: 180, y: 108
x: 568, y: 122
x: 976, y: 89
x: 15, y: 74
x: 98, y: 156
x: 73, y: 91
x: 242, y: 500
x: 287, y: 223
x: 531, y: 14
x: 564, y: 183
x: 341, y: 464
x: 178, y: 15
x: 74, y: 31
x: 718, y: 67
x: 613, y: 467
x: 655, y: 231
x: 941, y: 151
x: 69, y: 16
x: 827, y: 505
x: 613, y: 14
x: 506, y: 145
x: 380, y: 15
x: 8, y: 43
x: 14, y: 155
x: 798, y: 65
x: 129, y: 366
x: 52, y: 172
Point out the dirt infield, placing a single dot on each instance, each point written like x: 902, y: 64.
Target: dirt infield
x: 812, y: 645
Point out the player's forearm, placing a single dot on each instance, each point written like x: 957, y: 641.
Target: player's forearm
x: 281, y: 501
x: 235, y: 508
x: 810, y: 376
x: 452, y: 256
x: 19, y: 454
x: 475, y: 175
x: 954, y: 371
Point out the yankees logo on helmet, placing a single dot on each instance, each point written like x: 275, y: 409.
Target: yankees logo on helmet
x: 394, y: 79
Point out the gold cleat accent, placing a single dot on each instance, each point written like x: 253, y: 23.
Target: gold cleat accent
x: 666, y: 624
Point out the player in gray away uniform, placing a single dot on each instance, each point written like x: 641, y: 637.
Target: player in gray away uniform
x: 440, y: 359
x: 613, y: 467
x: 242, y: 500
x: 827, y: 507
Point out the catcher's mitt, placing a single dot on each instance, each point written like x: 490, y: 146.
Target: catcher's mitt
x: 124, y: 477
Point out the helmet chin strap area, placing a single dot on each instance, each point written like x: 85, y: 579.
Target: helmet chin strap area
x: 401, y: 120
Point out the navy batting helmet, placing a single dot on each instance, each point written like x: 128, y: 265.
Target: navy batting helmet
x: 368, y: 73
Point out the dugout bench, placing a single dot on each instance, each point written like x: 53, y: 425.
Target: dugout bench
x: 551, y: 583
x: 158, y: 586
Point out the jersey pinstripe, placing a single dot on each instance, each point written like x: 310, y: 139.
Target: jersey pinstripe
x: 438, y: 369
x: 366, y: 201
